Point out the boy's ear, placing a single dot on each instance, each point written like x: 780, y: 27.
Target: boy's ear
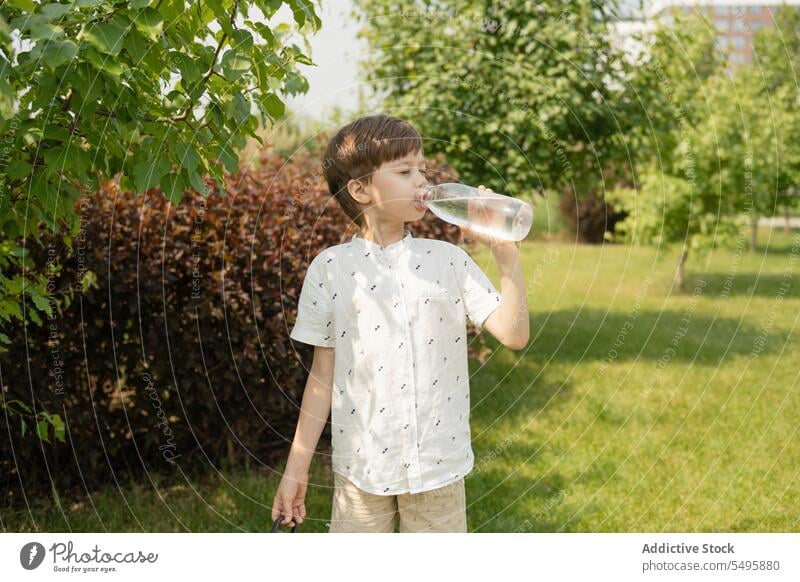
x: 358, y: 191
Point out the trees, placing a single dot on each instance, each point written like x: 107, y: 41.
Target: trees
x: 158, y: 91
x: 750, y: 148
x: 722, y: 145
x: 678, y: 195
x: 776, y: 63
x: 515, y: 94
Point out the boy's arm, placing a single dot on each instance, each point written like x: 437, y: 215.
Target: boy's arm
x: 509, y: 323
x: 314, y: 411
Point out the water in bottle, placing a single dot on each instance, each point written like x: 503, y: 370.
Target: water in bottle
x: 486, y: 212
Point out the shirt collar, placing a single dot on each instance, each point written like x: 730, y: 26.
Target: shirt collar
x: 389, y: 251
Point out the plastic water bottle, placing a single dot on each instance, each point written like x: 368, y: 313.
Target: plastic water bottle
x: 489, y: 213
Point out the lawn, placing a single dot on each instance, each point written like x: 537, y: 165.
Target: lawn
x: 634, y: 408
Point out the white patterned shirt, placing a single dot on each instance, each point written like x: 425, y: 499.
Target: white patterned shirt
x: 396, y: 316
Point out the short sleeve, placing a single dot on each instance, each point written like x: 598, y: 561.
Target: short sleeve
x: 480, y: 296
x: 315, y: 322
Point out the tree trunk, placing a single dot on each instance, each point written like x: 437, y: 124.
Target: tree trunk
x: 753, y: 232
x: 679, y: 279
x: 786, y: 220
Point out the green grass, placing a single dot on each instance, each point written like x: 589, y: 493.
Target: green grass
x: 570, y: 436
x: 218, y: 501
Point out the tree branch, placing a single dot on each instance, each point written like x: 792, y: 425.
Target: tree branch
x: 183, y: 116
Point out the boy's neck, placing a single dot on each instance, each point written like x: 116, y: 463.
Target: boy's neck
x: 383, y: 235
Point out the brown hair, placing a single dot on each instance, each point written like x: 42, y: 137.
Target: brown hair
x: 358, y: 150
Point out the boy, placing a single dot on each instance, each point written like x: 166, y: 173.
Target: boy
x: 386, y: 313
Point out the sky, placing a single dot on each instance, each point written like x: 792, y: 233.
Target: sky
x: 335, y: 50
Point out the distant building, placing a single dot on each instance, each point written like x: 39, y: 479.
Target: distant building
x: 735, y: 21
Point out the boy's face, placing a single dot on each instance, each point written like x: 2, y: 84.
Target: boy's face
x: 392, y: 190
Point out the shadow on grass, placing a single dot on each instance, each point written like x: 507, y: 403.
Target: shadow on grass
x: 511, y: 502
x: 510, y: 488
x: 767, y: 285
x: 597, y: 335
x: 511, y: 391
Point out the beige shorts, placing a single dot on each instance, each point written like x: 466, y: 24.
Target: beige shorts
x: 439, y: 510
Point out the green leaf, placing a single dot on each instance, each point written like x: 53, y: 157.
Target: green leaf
x: 18, y: 251
x: 103, y: 62
x: 12, y: 228
x: 78, y: 159
x: 223, y: 18
x: 54, y: 159
x: 303, y: 12
x: 88, y: 281
x: 26, y: 5
x: 58, y: 52
x: 54, y: 11
x: 18, y: 169
x: 296, y: 84
x: 16, y: 285
x: 147, y: 174
x: 172, y: 185
x: 172, y: 9
x: 241, y: 40
x: 188, y: 68
x: 16, y: 402
x: 34, y: 315
x: 270, y: 7
x: 228, y: 157
x: 24, y: 426
x: 58, y: 426
x: 303, y: 59
x: 234, y: 65
x: 42, y: 303
x: 238, y: 108
x: 44, y: 192
x: 136, y: 45
x: 266, y: 33
x: 185, y: 155
x: 274, y: 105
x: 195, y: 179
x: 107, y: 37
x: 149, y: 22
x: 42, y: 430
x: 10, y: 308
x: 46, y: 31
x: 56, y: 132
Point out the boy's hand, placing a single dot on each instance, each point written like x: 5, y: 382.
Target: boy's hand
x: 290, y: 499
x: 494, y: 243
